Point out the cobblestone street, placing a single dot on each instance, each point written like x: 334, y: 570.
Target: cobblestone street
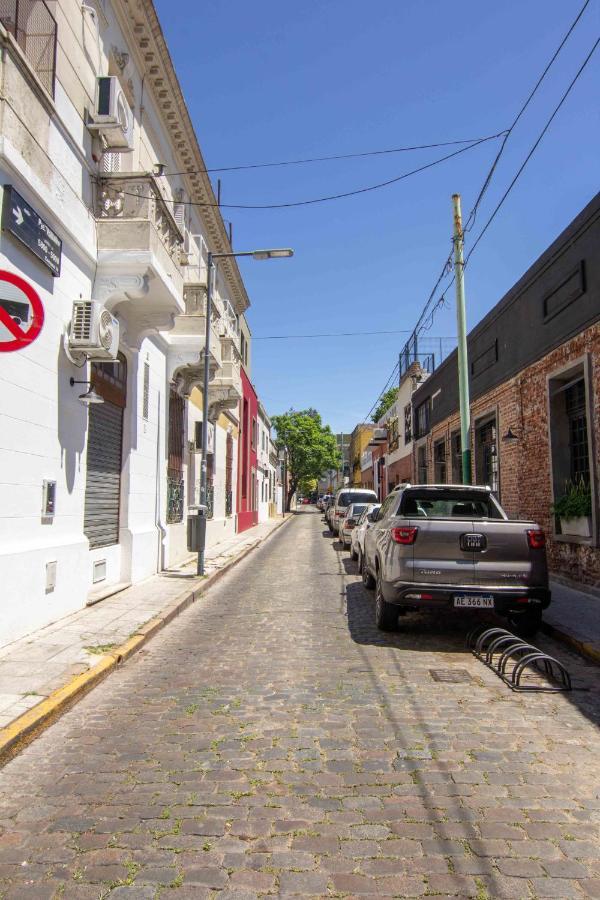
x: 271, y: 741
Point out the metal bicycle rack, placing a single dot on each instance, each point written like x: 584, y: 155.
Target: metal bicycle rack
x: 512, y: 659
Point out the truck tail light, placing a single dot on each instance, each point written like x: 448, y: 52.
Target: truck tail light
x: 406, y: 535
x: 536, y: 538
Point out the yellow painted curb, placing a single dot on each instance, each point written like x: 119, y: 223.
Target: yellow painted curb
x: 25, y: 728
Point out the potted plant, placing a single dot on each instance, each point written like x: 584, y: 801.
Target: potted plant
x: 574, y: 509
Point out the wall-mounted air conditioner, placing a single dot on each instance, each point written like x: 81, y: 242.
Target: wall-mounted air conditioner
x: 113, y: 118
x: 93, y: 331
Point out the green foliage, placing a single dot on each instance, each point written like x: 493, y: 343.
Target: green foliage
x: 575, y: 502
x: 385, y: 402
x: 311, y: 446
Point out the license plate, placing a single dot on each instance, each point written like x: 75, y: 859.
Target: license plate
x: 474, y: 601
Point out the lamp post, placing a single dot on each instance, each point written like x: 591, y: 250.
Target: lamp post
x: 280, y: 253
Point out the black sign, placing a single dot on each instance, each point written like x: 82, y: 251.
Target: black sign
x: 21, y: 219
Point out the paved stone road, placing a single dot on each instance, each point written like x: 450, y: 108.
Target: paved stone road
x: 271, y: 741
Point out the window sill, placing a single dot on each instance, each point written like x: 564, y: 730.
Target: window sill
x: 573, y: 539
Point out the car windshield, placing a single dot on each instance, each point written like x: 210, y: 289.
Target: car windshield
x: 355, y: 497
x: 449, y: 505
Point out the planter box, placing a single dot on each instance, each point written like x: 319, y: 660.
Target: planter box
x: 580, y: 527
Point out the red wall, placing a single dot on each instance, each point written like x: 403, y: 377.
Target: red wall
x: 247, y: 513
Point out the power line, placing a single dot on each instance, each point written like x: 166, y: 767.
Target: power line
x: 288, y: 337
x: 472, y: 215
x: 314, y: 159
x: 354, y: 193
x: 532, y: 151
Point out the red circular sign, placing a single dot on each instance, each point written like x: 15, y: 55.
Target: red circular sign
x: 20, y: 338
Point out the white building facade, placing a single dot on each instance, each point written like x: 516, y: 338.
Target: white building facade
x: 94, y: 496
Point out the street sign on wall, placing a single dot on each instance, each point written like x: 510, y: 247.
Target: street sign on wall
x: 27, y: 226
x: 21, y: 312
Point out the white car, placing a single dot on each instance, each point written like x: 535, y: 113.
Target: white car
x: 349, y: 522
x: 344, y: 497
x: 357, y: 542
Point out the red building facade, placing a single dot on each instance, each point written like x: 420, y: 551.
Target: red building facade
x: 247, y: 498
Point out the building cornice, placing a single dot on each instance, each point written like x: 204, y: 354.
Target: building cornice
x: 144, y: 34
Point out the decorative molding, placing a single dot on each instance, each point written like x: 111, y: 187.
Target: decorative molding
x: 113, y: 289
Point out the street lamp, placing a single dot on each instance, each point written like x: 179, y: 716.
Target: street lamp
x: 276, y: 253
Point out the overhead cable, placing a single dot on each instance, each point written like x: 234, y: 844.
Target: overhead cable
x: 532, y: 151
x: 472, y: 215
x: 364, y: 190
x: 315, y: 159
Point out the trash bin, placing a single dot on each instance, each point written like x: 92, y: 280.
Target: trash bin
x: 196, y: 529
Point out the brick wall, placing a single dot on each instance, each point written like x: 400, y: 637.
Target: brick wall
x: 521, y: 404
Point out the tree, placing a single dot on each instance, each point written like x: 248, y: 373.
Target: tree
x: 311, y: 446
x: 385, y: 401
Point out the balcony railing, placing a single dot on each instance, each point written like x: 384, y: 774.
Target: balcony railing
x: 34, y: 28
x: 125, y: 197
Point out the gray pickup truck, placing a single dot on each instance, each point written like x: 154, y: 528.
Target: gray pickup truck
x: 454, y: 547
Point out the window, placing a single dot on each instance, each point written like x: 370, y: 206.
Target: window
x: 456, y: 458
x: 408, y: 423
x: 34, y: 28
x: 229, y: 476
x: 423, y: 418
x: 175, y: 486
x: 578, y: 437
x: 486, y: 451
x: 569, y: 404
x: 387, y: 507
x: 458, y: 503
x: 439, y: 462
x: 146, y: 392
x: 422, y: 465
x: 254, y: 434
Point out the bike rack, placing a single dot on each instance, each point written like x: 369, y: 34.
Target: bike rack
x: 512, y: 658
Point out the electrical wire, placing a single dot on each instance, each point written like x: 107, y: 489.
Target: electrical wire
x: 532, y: 150
x: 473, y: 214
x: 288, y: 337
x: 314, y: 159
x: 354, y: 193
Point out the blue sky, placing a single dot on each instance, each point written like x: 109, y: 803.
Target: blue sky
x: 276, y: 81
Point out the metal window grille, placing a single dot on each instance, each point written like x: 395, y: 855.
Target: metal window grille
x: 34, y: 28
x: 439, y: 459
x: 422, y: 465
x: 487, y: 456
x: 175, y: 485
x: 423, y: 417
x: 456, y: 459
x: 229, y: 476
x: 146, y: 393
x: 578, y: 435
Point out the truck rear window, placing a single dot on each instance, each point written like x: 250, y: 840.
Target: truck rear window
x: 449, y: 505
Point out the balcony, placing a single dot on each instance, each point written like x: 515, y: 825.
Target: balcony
x: 225, y: 390
x: 33, y: 27
x: 187, y: 339
x: 139, y: 251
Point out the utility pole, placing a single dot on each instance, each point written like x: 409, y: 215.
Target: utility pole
x: 463, y: 363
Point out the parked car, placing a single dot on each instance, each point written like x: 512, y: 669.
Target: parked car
x: 320, y: 502
x: 453, y: 547
x: 343, y: 498
x: 357, y: 543
x: 349, y: 522
x: 327, y: 504
x: 305, y: 501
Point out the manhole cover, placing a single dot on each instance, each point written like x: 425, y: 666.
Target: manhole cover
x: 452, y: 676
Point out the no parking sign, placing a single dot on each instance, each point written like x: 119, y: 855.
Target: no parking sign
x: 21, y: 312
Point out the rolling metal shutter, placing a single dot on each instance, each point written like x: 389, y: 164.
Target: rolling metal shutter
x: 103, y: 483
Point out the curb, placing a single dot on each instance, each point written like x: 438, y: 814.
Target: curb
x: 24, y: 729
x: 584, y: 648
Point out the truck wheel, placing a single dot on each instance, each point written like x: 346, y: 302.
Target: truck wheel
x: 353, y: 553
x: 386, y: 614
x: 526, y: 624
x: 367, y: 579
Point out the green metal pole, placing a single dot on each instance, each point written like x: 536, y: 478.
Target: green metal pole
x: 463, y: 363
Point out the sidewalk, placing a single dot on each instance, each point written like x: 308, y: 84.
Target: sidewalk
x: 573, y: 617
x: 43, y: 672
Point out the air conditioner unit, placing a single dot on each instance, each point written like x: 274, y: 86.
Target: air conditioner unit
x: 113, y: 118
x: 93, y: 331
